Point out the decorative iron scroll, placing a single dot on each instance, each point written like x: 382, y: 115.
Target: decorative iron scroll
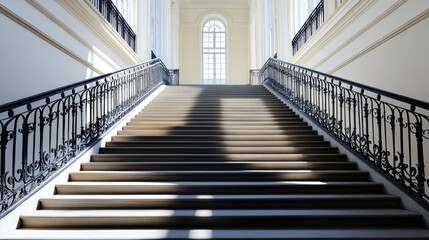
x: 42, y: 133
x: 388, y: 130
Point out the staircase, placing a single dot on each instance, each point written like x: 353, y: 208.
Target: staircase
x: 219, y: 162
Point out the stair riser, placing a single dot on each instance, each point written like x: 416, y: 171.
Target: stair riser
x: 215, y: 116
x: 191, y: 119
x: 219, y: 138
x: 216, y: 132
x: 219, y: 144
x: 301, y: 203
x: 219, y: 108
x: 238, y: 150
x: 224, y: 177
x: 216, y: 157
x: 135, y: 121
x: 217, y: 128
x: 244, y: 166
x: 217, y: 103
x: 215, y: 110
x: 218, y: 222
x: 219, y: 189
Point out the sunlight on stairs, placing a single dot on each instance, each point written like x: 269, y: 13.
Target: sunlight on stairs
x: 219, y: 162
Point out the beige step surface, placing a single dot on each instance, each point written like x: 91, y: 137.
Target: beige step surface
x: 168, y: 201
x: 213, y: 187
x: 402, y: 233
x: 129, y: 166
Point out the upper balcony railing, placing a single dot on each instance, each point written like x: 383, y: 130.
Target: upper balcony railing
x: 42, y: 133
x: 389, y: 131
x: 314, y: 21
x: 108, y: 9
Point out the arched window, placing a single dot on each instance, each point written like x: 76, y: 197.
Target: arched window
x: 214, y: 52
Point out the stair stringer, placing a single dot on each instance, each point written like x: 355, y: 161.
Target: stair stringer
x: 9, y: 222
x: 391, y: 188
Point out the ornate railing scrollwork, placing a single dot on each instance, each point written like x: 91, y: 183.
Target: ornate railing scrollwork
x: 388, y: 130
x: 42, y: 133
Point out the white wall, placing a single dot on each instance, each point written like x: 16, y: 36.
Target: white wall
x: 238, y: 43
x: 48, y: 44
x: 379, y: 43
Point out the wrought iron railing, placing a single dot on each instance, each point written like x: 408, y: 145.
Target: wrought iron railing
x: 42, y: 133
x: 313, y: 22
x: 108, y: 9
x: 388, y: 130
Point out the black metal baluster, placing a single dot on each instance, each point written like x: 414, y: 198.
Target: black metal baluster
x: 367, y: 125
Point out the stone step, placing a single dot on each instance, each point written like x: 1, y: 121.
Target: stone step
x: 217, y: 150
x: 219, y: 137
x: 214, y: 127
x: 218, y: 144
x: 290, y: 201
x: 148, y: 166
x: 216, y: 132
x: 229, y: 175
x: 217, y: 103
x: 216, y: 110
x: 216, y: 115
x: 246, y: 218
x: 397, y: 233
x: 216, y: 157
x: 216, y: 122
x: 190, y: 119
x: 229, y: 188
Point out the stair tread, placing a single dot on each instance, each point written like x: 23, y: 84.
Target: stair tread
x: 222, y: 148
x: 250, y: 171
x: 215, y: 162
x: 213, y: 213
x: 152, y: 234
x: 218, y: 183
x: 218, y: 154
x: 218, y: 196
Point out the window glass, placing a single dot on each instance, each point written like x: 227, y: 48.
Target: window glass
x: 214, y: 53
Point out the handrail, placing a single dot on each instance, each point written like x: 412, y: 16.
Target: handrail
x: 384, y: 129
x: 41, y: 134
x: 40, y: 96
x: 316, y: 18
x: 111, y: 13
x: 412, y: 101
